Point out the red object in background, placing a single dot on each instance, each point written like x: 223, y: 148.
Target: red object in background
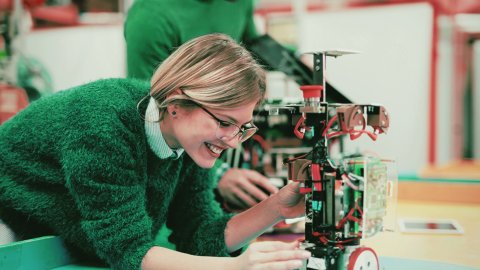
x: 7, y: 5
x: 28, y: 4
x: 62, y: 15
x: 12, y: 100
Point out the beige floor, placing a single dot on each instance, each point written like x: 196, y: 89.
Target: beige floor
x: 458, y: 249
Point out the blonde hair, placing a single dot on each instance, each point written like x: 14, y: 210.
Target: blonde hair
x: 211, y: 70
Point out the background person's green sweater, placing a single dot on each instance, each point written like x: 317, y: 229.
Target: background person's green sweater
x: 77, y: 164
x: 155, y: 28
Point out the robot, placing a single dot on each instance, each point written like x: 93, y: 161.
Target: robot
x: 345, y: 200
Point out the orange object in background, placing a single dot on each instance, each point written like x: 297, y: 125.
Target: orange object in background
x: 45, y: 14
x: 55, y: 15
x: 12, y: 100
x: 7, y: 5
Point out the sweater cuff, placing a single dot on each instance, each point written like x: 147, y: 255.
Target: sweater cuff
x: 210, y: 238
x: 133, y: 258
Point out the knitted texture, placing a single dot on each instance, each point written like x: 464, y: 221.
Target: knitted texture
x: 77, y: 164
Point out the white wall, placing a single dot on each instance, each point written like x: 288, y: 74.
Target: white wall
x: 77, y: 55
x: 393, y: 69
x: 476, y: 96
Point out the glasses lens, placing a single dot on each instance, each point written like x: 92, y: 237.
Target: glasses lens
x: 247, y: 133
x: 227, y: 132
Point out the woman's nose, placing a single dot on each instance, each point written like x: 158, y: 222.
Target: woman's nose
x: 231, y: 143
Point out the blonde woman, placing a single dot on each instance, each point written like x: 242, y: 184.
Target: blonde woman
x: 172, y: 23
x: 104, y: 167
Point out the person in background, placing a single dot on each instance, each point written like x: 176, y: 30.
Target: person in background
x: 104, y: 165
x: 169, y: 24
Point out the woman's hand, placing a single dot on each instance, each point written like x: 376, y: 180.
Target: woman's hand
x: 246, y: 226
x: 272, y: 255
x: 290, y: 202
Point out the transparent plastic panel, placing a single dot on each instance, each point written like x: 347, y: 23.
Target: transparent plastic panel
x: 390, y: 219
x: 375, y: 196
x: 370, y: 195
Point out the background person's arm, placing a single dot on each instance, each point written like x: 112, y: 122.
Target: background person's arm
x: 243, y: 188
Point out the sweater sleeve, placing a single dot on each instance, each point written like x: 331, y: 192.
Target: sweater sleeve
x: 196, y: 219
x: 104, y: 176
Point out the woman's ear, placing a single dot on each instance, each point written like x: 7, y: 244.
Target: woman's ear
x: 172, y: 110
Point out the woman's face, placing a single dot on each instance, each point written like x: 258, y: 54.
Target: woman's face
x: 195, y: 131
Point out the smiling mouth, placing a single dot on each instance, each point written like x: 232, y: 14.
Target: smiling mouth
x: 214, y: 149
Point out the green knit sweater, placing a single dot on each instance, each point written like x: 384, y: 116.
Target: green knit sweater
x: 155, y: 28
x: 77, y: 164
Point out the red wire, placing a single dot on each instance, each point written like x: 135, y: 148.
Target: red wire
x: 358, y: 208
x: 329, y: 125
x: 323, y: 239
x: 354, y: 219
x: 354, y: 134
x: 316, y: 177
x: 295, y: 158
x: 344, y: 219
x: 350, y: 216
x: 336, y: 133
x: 296, y: 131
x: 316, y: 172
x: 261, y: 141
x: 344, y: 241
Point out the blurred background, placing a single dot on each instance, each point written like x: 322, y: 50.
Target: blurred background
x: 419, y: 59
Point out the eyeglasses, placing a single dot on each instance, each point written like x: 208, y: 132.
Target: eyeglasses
x: 227, y: 130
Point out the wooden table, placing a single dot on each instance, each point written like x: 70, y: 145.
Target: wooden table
x: 461, y: 249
